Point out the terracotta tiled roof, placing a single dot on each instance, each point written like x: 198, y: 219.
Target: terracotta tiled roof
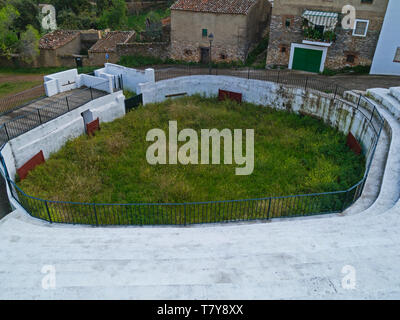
x: 215, y: 6
x: 57, y: 39
x: 166, y: 21
x: 110, y: 41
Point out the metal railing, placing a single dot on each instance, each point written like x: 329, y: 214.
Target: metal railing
x: 20, y: 99
x: 26, y: 120
x: 184, y: 214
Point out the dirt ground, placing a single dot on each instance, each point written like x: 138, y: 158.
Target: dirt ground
x: 8, y: 77
x: 363, y: 82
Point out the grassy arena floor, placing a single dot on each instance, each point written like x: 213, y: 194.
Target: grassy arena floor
x: 293, y: 155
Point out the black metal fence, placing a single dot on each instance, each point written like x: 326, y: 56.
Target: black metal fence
x: 20, y: 99
x: 26, y: 120
x: 285, y: 77
x: 214, y: 211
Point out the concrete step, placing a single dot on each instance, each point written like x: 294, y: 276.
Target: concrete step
x: 384, y: 97
x: 395, y: 92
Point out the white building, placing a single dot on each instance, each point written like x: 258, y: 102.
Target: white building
x: 387, y: 54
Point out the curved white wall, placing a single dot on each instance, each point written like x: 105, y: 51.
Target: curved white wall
x: 335, y: 113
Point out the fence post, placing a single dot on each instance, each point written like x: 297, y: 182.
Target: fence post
x: 372, y: 114
x: 40, y: 118
x: 91, y: 92
x: 248, y: 73
x: 95, y: 214
x: 305, y: 87
x: 279, y: 71
x: 5, y: 127
x: 269, y: 207
x: 335, y: 92
x: 66, y: 98
x: 48, y: 211
x: 184, y: 214
x: 345, y: 200
x: 359, y: 100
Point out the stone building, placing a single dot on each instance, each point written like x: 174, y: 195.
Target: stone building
x: 65, y: 47
x: 312, y: 35
x: 108, y: 46
x: 236, y: 25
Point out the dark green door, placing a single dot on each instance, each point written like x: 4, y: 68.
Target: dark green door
x: 307, y: 59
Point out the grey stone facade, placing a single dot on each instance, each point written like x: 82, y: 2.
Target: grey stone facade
x: 361, y: 49
x: 234, y: 33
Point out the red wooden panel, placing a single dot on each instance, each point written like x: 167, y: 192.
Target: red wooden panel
x: 353, y: 144
x: 223, y: 95
x: 91, y: 127
x: 30, y: 165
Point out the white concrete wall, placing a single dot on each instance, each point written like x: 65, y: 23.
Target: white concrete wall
x: 389, y: 41
x: 130, y: 77
x: 99, y: 83
x: 8, y: 157
x: 336, y: 114
x: 60, y: 82
x: 69, y: 80
x: 52, y: 135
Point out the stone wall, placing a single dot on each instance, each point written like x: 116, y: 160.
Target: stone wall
x: 234, y: 34
x: 363, y: 48
x: 147, y: 49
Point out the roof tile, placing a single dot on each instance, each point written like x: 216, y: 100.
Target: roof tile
x: 215, y: 6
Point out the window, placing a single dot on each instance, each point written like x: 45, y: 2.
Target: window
x: 283, y: 49
x: 351, y: 58
x: 223, y: 56
x: 287, y: 23
x: 397, y: 55
x: 360, y: 28
x: 367, y: 1
x: 205, y: 32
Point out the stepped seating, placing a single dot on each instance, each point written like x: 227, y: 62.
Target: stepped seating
x: 388, y: 98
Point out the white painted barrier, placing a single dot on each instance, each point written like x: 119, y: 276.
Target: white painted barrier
x: 131, y: 77
x: 52, y: 135
x: 69, y: 80
x: 335, y: 113
x: 60, y: 82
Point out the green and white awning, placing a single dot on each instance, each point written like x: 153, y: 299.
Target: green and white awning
x: 322, y: 18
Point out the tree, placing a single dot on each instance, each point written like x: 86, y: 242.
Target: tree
x: 29, y: 44
x: 8, y: 34
x: 115, y: 17
x: 29, y: 14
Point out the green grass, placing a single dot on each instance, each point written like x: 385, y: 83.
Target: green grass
x: 136, y: 61
x: 293, y: 155
x: 253, y: 55
x: 10, y: 88
x: 353, y: 70
x: 45, y: 70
